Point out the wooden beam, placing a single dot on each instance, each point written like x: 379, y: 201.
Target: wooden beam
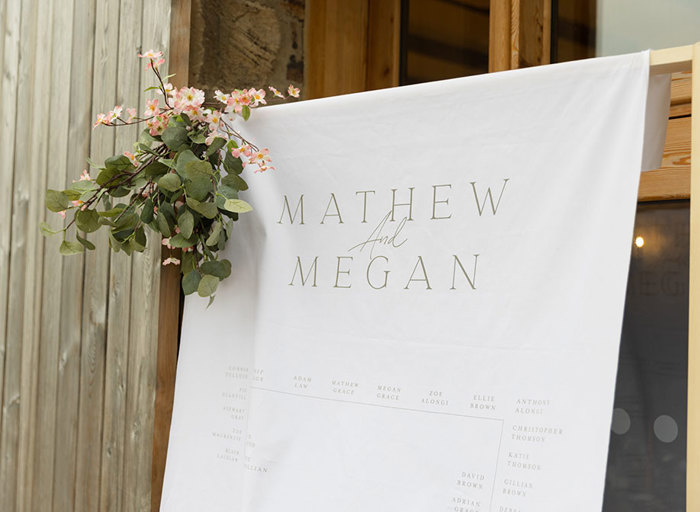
x: 335, y: 39
x: 383, y: 44
x: 520, y: 34
x: 671, y: 60
x: 499, y: 35
x: 671, y: 180
x: 693, y: 432
x: 169, y: 306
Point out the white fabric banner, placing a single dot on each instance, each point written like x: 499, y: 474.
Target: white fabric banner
x: 425, y: 306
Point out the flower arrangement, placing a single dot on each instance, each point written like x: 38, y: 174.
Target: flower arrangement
x: 181, y: 181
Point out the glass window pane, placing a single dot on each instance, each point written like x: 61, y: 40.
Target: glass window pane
x: 595, y: 28
x: 443, y: 39
x: 646, y: 462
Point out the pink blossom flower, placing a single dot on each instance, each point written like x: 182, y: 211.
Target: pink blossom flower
x: 168, y: 261
x: 258, y: 97
x: 276, y: 92
x: 213, y: 118
x: 131, y: 158
x: 189, y: 97
x: 237, y: 100
x: 196, y: 113
x: 77, y: 202
x: 101, y: 119
x: 85, y: 175
x: 151, y: 54
x: 261, y: 157
x: 293, y: 91
x: 132, y: 114
x: 114, y: 114
x: 154, y: 64
x: 166, y: 243
x: 151, y: 108
x: 244, y: 150
x: 223, y: 98
x: 62, y: 213
x: 169, y: 91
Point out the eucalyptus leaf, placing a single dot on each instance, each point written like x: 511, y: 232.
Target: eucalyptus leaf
x: 184, y: 157
x: 147, y: 211
x: 182, y: 241
x: 237, y: 206
x: 216, y: 145
x: 174, y: 136
x: 155, y: 169
x: 56, y: 201
x: 106, y: 176
x: 232, y: 164
x: 234, y: 181
x: 198, y: 137
x: 46, y: 230
x: 83, y: 186
x: 186, y: 223
x: 213, y: 238
x: 92, y: 164
x: 190, y: 282
x: 209, y: 210
x: 170, y: 182
x: 140, y: 238
x: 67, y: 248
x: 119, y: 163
x: 85, y: 243
x: 163, y: 225
x: 188, y: 262
x: 113, y: 212
x: 218, y: 268
x: 207, y: 285
x: 87, y: 220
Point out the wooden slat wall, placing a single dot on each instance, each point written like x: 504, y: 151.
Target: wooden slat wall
x: 78, y: 340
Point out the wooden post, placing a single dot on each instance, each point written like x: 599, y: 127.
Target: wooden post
x: 170, y: 294
x: 351, y: 46
x: 519, y: 33
x: 693, y: 433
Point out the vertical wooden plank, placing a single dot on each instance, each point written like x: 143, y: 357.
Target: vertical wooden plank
x: 3, y: 20
x: 519, y: 34
x: 35, y: 150
x: 144, y: 315
x: 96, y: 273
x: 336, y: 47
x: 8, y: 104
x: 383, y: 44
x: 515, y: 30
x: 499, y: 35
x: 534, y: 33
x: 12, y: 389
x: 169, y: 292
x: 693, y: 454
x: 68, y: 389
x: 119, y: 301
x: 55, y: 178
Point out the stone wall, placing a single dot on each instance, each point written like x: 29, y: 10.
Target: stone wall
x: 244, y: 43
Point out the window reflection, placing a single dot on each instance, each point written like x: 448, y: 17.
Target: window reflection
x: 443, y: 39
x: 596, y: 28
x: 646, y: 462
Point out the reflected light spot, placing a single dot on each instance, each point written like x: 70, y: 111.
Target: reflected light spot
x: 666, y: 429
x: 639, y: 241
